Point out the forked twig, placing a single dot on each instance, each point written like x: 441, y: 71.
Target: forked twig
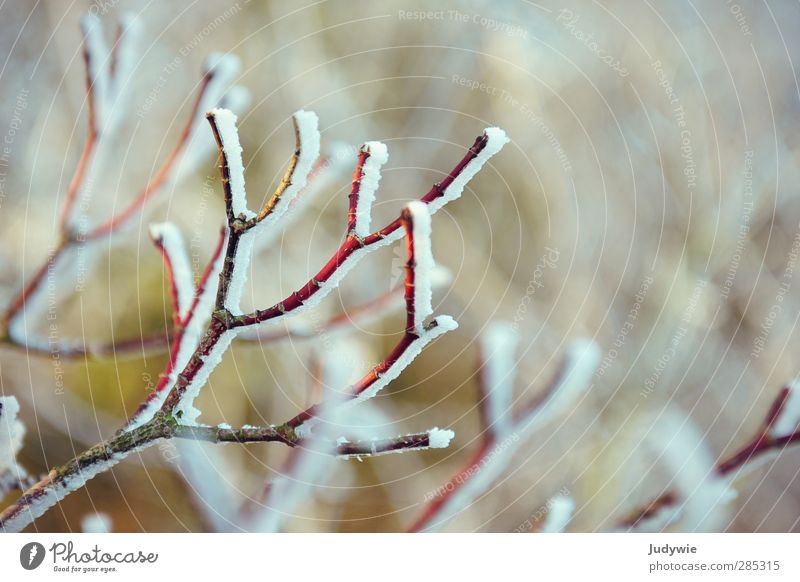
x: 208, y: 317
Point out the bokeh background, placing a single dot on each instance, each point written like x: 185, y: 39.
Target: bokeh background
x: 650, y: 186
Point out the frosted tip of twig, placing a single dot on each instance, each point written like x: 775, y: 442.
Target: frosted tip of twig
x: 128, y: 20
x: 583, y: 357
x: 496, y: 139
x: 377, y: 150
x: 90, y: 24
x: 440, y: 438
x: 308, y: 127
x: 500, y: 337
x: 789, y: 417
x: 307, y: 123
x: 226, y: 64
x: 377, y: 156
x: 444, y: 323
x: 169, y: 237
x: 559, y: 514
x: 161, y: 230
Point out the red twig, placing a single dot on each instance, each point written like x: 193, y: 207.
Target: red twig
x: 762, y: 443
x: 350, y: 246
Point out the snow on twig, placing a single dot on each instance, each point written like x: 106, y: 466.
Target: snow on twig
x: 498, y: 448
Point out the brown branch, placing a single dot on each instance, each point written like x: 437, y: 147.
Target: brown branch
x: 288, y: 176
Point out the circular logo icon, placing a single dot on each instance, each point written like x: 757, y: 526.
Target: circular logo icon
x: 31, y: 555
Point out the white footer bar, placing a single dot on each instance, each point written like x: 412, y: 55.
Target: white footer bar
x: 386, y: 557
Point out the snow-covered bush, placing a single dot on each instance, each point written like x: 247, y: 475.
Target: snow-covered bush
x: 208, y: 317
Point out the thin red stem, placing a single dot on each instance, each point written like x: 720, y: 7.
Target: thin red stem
x: 350, y: 246
x: 355, y: 189
x: 161, y: 176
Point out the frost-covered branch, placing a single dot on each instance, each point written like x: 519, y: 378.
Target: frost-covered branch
x: 779, y: 429
x: 208, y: 317
x: 559, y: 514
x: 107, y: 85
x: 506, y: 432
x: 12, y: 475
x: 419, y: 269
x: 169, y: 242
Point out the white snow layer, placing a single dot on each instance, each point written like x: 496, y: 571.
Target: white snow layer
x: 206, y: 470
x: 559, y: 514
x: 370, y: 178
x: 308, y: 131
x: 444, y: 323
x: 120, y: 85
x: 225, y: 121
x: 440, y: 438
x: 222, y: 69
x: 98, y: 66
x: 51, y: 492
x: 498, y: 346
x: 682, y: 449
x: 192, y: 334
x: 496, y: 139
x: 580, y: 362
x: 185, y: 409
x: 424, y: 265
x: 12, y: 431
x: 168, y: 235
x: 241, y: 267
